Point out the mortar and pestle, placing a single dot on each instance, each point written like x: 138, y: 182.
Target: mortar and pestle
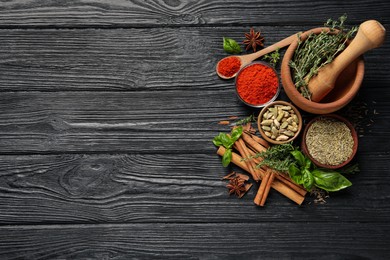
x: 338, y: 82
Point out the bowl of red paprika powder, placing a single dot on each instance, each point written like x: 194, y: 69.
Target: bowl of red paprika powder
x: 257, y: 84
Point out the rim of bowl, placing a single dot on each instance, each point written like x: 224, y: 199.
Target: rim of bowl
x: 353, y: 133
x: 308, y: 105
x: 280, y: 102
x: 277, y: 90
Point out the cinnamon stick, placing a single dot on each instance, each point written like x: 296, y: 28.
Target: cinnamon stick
x: 286, y: 180
x: 260, y: 141
x: 236, y: 159
x: 260, y: 192
x: 247, y: 154
x: 241, y: 147
x: 276, y: 184
x: 267, y: 188
x: 252, y: 143
x: 298, y: 188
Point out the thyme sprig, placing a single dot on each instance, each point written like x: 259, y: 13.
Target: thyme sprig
x: 277, y: 157
x: 246, y: 120
x: 273, y: 58
x: 317, y: 51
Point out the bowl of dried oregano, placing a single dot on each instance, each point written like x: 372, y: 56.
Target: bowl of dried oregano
x: 330, y: 141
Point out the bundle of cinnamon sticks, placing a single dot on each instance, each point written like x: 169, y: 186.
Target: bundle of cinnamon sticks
x: 246, y: 147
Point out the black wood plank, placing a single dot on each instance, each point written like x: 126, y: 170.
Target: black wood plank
x: 333, y: 240
x: 146, y: 122
x: 135, y: 59
x: 114, y: 158
x: 134, y: 188
x: 106, y: 13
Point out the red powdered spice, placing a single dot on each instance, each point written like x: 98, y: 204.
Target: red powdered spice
x: 257, y: 84
x: 229, y: 66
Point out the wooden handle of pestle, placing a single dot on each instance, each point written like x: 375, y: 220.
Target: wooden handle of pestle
x: 371, y: 34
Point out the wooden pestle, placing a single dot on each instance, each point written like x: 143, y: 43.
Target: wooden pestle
x: 371, y: 34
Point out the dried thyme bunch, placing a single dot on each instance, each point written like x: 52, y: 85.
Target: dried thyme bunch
x: 317, y: 51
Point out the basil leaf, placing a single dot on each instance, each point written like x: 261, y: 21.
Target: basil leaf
x: 231, y: 46
x: 225, y: 139
x: 308, y: 164
x: 295, y: 173
x: 330, y: 180
x: 350, y: 169
x: 236, y: 133
x: 299, y: 157
x: 307, y: 179
x: 227, y: 157
x: 217, y: 140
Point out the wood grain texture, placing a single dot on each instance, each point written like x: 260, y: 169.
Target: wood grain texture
x: 333, y: 240
x: 106, y: 13
x: 135, y: 59
x: 146, y: 122
x: 107, y: 111
x: 135, y: 188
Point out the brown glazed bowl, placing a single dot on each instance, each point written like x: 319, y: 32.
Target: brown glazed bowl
x: 284, y: 103
x: 346, y: 87
x: 353, y: 133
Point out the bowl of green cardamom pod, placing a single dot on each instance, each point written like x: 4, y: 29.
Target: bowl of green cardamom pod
x: 279, y: 122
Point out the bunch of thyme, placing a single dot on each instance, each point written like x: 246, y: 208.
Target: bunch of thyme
x: 317, y: 51
x: 277, y: 157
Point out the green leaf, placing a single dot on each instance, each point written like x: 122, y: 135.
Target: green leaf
x: 231, y: 46
x: 295, y: 173
x: 350, y: 169
x: 330, y: 180
x: 236, y: 133
x: 308, y: 164
x: 307, y: 179
x: 225, y: 139
x: 227, y: 157
x: 217, y: 140
x: 299, y: 157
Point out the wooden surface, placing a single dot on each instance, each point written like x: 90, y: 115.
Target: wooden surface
x: 107, y: 112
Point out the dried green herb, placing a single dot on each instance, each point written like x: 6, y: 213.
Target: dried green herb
x: 317, y: 51
x: 329, y: 141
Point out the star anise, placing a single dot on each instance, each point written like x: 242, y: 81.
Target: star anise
x: 253, y: 39
x: 236, y: 186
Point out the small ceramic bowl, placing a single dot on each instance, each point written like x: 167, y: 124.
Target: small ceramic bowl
x: 271, y: 98
x: 346, y: 87
x: 265, y: 109
x: 353, y: 133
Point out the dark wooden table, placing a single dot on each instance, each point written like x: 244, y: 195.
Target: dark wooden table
x: 107, y: 112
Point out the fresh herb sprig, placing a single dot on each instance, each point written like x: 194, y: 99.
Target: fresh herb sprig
x: 273, y: 57
x: 304, y: 172
x: 277, y: 157
x: 228, y: 141
x: 289, y: 159
x: 317, y: 51
x: 246, y: 120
